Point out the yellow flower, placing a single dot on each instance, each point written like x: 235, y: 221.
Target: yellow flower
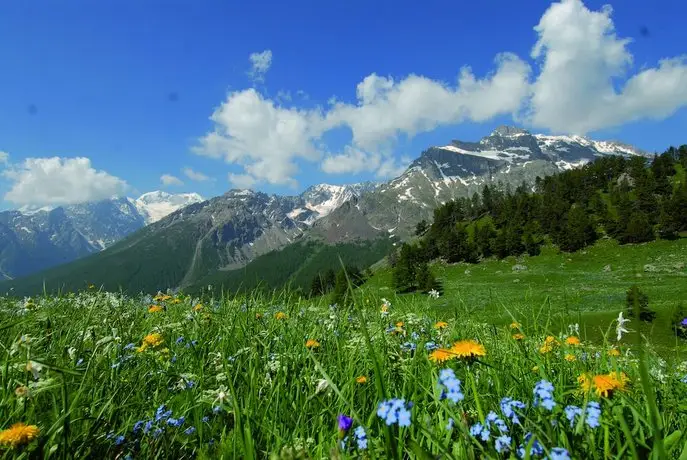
x: 515, y: 325
x: 549, y: 343
x: 572, y: 340
x: 91, y: 286
x: 570, y: 357
x: 154, y: 309
x: 604, y: 384
x: 614, y: 352
x: 151, y: 340
x: 258, y: 315
x: 176, y: 301
x: 440, y: 325
x: 399, y: 324
x: 22, y: 391
x: 384, y: 309
x: 535, y: 369
x: 18, y: 434
x: 550, y: 340
x: 518, y: 336
x: 468, y: 349
x: 441, y: 354
x: 546, y: 348
x: 198, y: 307
x: 280, y: 315
x: 361, y: 379
x: 311, y: 343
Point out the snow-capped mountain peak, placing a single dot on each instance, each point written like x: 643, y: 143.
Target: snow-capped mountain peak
x: 155, y: 205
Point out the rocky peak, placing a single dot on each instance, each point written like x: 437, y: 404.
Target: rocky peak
x: 505, y: 130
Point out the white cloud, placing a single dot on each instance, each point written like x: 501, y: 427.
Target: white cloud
x: 241, y: 180
x: 260, y: 64
x: 195, y: 175
x: 169, y: 180
x: 583, y: 62
x: 57, y: 181
x: 4, y: 157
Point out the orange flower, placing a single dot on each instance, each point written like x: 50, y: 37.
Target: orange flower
x: 468, y: 349
x: 311, y: 343
x: 399, y: 324
x: 604, y: 384
x: 572, y: 340
x: 151, y: 340
x: 361, y: 379
x: 440, y: 355
x: 518, y: 336
x: 18, y: 434
x: 155, y: 309
x: 440, y: 325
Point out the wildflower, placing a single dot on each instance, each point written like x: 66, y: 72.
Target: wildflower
x: 311, y: 343
x: 35, y: 369
x: 440, y: 355
x: 440, y: 325
x: 614, y: 352
x: 258, y: 315
x: 179, y: 340
x: 508, y: 406
x: 480, y: 430
x: 593, y: 414
x: 434, y: 294
x: 384, y: 310
x: 409, y: 346
x: 431, y: 346
x: 549, y: 344
x: 519, y: 336
x: 18, y: 434
x: 543, y: 395
x: 137, y: 426
x: 468, y: 349
x: 535, y: 368
x: 451, y: 386
x: 345, y: 423
x: 399, y: 324
x: 119, y: 440
x: 572, y: 340
x: 570, y: 357
x: 684, y: 379
x: 515, y: 325
x: 449, y: 424
x: 280, y: 315
x: 559, y: 453
x: 604, y: 384
x: 198, y: 307
x: 22, y: 391
x: 683, y: 323
x: 361, y: 379
x: 536, y: 449
x: 176, y: 422
x: 394, y: 411
x: 571, y: 412
x: 360, y: 437
x: 190, y: 430
x: 502, y: 444
x: 154, y: 309
x: 620, y: 327
x: 151, y: 340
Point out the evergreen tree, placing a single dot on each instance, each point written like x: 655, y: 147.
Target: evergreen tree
x: 404, y: 273
x: 424, y: 278
x: 579, y: 231
x: 421, y: 227
x: 316, y: 287
x: 484, y: 236
x: 340, y: 295
x: 638, y: 305
x: 638, y: 229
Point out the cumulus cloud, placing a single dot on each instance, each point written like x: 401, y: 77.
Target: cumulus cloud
x: 57, y: 181
x: 4, y: 157
x: 584, y: 86
x: 260, y: 64
x: 169, y: 180
x: 195, y: 175
x: 241, y: 180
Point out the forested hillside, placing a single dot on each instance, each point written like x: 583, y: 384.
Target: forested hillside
x: 631, y: 200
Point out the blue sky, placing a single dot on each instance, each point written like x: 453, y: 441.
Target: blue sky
x: 131, y: 86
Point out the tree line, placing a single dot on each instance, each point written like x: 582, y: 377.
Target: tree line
x: 631, y: 200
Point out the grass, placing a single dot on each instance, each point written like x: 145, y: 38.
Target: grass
x: 240, y: 382
x: 570, y: 288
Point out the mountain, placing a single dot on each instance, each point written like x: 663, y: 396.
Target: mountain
x: 203, y: 240
x: 508, y: 155
x: 35, y: 239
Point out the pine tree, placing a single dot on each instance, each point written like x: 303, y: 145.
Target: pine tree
x: 316, y: 287
x: 340, y: 295
x: 421, y: 227
x: 424, y: 278
x: 579, y: 231
x: 638, y: 229
x: 404, y: 273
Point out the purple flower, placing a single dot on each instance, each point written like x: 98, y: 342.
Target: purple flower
x: 684, y: 322
x: 345, y: 423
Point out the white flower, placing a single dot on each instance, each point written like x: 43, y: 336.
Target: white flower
x: 620, y: 328
x: 322, y: 385
x: 434, y: 294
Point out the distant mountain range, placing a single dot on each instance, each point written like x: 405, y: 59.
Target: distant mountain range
x: 229, y: 231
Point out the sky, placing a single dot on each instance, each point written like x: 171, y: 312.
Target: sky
x: 122, y: 97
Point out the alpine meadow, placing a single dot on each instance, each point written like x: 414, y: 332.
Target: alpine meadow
x: 362, y: 230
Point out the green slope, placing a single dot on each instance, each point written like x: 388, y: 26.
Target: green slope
x: 295, y: 265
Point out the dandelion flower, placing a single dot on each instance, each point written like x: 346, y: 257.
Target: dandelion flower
x: 399, y: 324
x: 604, y: 384
x: 22, y: 391
x: 198, y: 307
x: 361, y: 379
x: 440, y: 355
x: 614, y: 352
x: 280, y: 315
x: 18, y: 434
x: 440, y: 325
x: 468, y: 349
x: 515, y: 325
x: 570, y: 357
x: 311, y: 343
x: 154, y: 309
x: 153, y: 340
x: 572, y: 340
x: 518, y: 336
